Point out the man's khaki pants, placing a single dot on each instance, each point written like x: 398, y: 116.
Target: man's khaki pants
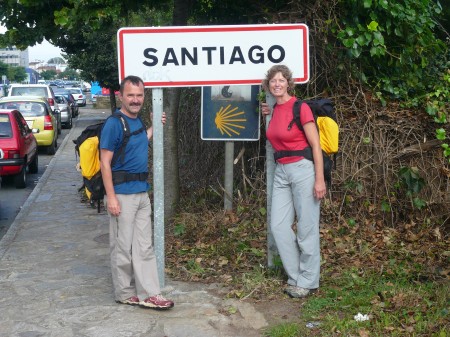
x: 133, y: 261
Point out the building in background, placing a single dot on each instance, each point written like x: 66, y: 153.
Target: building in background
x: 32, y: 76
x: 14, y: 57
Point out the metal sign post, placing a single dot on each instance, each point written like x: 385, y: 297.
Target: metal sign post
x: 158, y: 181
x: 270, y: 169
x: 228, y: 194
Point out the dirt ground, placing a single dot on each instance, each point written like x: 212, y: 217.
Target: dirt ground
x: 283, y: 310
x: 276, y: 310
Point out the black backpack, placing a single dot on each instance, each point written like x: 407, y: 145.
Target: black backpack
x: 326, y: 123
x: 94, y: 184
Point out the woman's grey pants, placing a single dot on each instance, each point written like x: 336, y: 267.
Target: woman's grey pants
x: 293, y: 194
x: 133, y: 261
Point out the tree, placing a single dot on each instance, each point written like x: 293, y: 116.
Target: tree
x: 3, y: 68
x: 69, y: 74
x: 16, y: 74
x: 56, y: 60
x: 85, y: 31
x: 48, y: 74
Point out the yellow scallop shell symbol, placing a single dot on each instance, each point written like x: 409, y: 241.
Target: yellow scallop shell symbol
x: 227, y: 120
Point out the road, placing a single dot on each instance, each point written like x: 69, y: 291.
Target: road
x: 12, y: 199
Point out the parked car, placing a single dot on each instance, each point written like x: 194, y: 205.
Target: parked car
x: 94, y: 96
x: 85, y: 86
x: 18, y: 147
x: 41, y: 90
x: 78, y: 95
x: 70, y: 99
x: 65, y: 110
x: 38, y: 115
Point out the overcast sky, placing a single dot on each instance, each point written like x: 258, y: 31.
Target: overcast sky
x: 44, y: 51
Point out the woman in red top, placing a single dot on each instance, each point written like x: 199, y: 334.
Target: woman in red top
x: 298, y: 186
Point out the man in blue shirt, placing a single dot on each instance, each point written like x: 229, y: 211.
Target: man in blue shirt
x: 133, y: 261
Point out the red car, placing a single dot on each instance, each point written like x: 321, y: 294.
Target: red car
x: 18, y: 147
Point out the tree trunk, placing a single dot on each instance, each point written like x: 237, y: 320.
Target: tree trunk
x: 172, y: 174
x: 112, y: 99
x: 172, y: 99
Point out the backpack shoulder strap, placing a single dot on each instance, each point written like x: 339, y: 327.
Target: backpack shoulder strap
x: 120, y: 154
x: 123, y: 122
x: 296, y: 109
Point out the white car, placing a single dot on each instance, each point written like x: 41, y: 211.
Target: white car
x: 41, y: 90
x: 78, y: 96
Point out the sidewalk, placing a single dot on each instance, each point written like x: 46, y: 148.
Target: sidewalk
x: 55, y: 275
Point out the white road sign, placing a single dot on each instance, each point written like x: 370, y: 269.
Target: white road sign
x: 211, y: 55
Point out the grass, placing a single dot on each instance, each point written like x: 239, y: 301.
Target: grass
x: 395, y: 307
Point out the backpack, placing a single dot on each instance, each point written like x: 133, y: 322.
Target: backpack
x: 87, y: 147
x: 328, y: 128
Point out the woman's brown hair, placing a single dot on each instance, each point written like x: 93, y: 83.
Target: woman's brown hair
x: 285, y: 72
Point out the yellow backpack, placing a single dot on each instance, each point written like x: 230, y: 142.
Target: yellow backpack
x: 89, y: 160
x: 87, y: 149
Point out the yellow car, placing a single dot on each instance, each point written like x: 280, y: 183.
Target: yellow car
x: 38, y: 115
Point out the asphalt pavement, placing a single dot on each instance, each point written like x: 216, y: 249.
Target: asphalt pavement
x: 55, y: 277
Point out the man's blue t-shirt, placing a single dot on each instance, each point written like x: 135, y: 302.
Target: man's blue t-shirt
x: 135, y: 158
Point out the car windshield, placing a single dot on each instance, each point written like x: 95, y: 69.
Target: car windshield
x: 27, y: 108
x: 74, y: 91
x: 59, y: 99
x: 29, y: 91
x: 67, y: 95
x: 5, y: 126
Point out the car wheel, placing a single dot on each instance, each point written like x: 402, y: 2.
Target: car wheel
x: 34, y: 164
x: 52, y: 148
x: 20, y: 180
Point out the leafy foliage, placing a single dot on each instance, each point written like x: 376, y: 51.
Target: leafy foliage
x: 228, y: 12
x: 399, y: 36
x: 3, y: 68
x: 399, y: 53
x: 16, y: 74
x: 13, y: 73
x: 85, y: 30
x: 48, y: 74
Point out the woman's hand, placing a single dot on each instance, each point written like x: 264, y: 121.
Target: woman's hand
x: 265, y: 110
x: 320, y: 189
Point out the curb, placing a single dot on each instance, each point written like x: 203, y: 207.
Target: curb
x: 14, y: 228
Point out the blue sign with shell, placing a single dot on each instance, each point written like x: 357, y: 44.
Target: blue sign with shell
x: 230, y: 113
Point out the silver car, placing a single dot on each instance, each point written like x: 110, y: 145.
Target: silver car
x: 78, y: 96
x: 65, y: 111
